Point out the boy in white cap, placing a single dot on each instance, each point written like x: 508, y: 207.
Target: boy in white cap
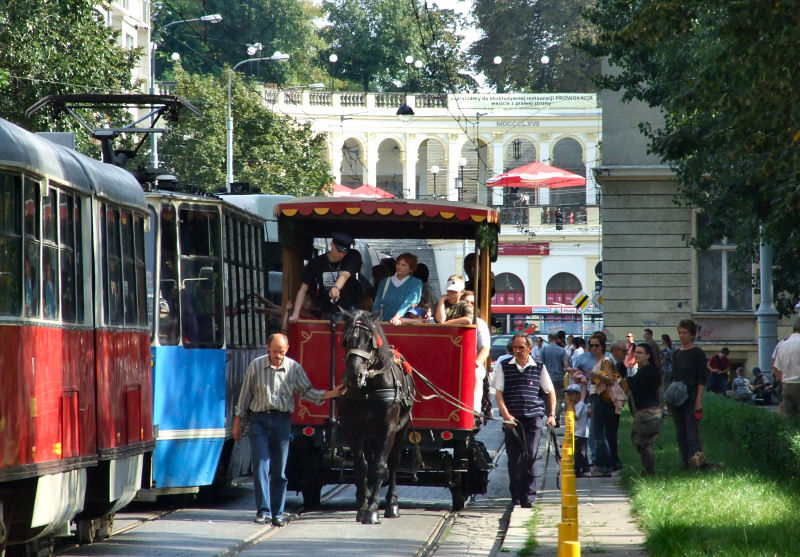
x: 573, y: 394
x: 449, y: 308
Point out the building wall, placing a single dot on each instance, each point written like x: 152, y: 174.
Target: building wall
x: 647, y: 267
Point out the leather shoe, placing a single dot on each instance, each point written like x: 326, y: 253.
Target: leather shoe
x: 526, y: 504
x: 261, y: 519
x: 279, y: 522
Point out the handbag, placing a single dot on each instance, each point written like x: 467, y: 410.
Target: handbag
x: 648, y: 421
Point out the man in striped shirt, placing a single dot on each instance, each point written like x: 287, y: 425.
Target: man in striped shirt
x: 267, y: 395
x: 517, y: 385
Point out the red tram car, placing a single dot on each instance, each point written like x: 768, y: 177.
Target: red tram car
x: 75, y: 387
x: 441, y: 450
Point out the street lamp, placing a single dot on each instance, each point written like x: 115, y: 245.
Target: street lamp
x: 278, y: 56
x: 435, y: 170
x: 462, y: 162
x: 212, y: 18
x: 333, y: 58
x: 497, y: 60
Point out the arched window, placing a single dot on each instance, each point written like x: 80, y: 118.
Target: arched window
x: 562, y: 288
x: 508, y: 289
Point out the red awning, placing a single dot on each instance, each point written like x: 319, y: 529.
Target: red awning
x: 536, y: 175
x: 372, y: 192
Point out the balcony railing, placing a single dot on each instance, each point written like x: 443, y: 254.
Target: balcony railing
x: 351, y: 99
x: 529, y: 218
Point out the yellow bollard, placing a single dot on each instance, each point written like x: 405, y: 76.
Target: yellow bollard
x: 569, y: 499
x: 567, y: 533
x: 570, y: 549
x: 568, y: 483
x: 569, y: 513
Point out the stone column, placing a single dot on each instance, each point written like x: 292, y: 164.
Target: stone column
x: 591, y: 155
x: 497, y: 166
x: 544, y: 157
x: 372, y: 160
x: 410, y: 166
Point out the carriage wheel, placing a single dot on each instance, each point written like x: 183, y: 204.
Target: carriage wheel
x: 106, y: 525
x: 459, y: 491
x: 311, y: 496
x: 86, y: 531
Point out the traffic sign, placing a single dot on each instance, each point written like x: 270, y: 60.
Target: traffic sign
x: 581, y: 301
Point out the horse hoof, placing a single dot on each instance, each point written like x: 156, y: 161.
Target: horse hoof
x: 371, y: 518
x: 360, y: 515
x: 392, y: 511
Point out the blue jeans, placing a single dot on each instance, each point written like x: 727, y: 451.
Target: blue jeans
x: 597, y: 434
x: 269, y: 444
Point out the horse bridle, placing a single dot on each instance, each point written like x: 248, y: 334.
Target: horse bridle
x: 369, y: 357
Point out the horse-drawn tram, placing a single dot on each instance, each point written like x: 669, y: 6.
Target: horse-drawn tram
x: 438, y: 446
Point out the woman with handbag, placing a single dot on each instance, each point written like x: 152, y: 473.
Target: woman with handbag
x: 647, y: 416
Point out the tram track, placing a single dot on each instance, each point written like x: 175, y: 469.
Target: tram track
x: 438, y: 530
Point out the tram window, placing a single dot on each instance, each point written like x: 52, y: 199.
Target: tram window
x: 50, y: 283
x: 50, y: 210
x: 168, y: 315
x: 128, y: 269
x: 201, y: 302
x: 32, y: 208
x: 67, y: 238
x: 31, y: 278
x: 113, y: 269
x: 10, y: 244
x: 79, y: 299
x: 141, y: 274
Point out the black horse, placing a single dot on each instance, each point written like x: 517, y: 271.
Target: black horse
x: 374, y: 412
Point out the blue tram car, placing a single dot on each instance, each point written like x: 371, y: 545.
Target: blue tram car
x: 212, y: 316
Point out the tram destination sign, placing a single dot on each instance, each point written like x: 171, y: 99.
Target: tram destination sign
x: 522, y: 100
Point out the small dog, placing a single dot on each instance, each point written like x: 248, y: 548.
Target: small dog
x: 698, y: 460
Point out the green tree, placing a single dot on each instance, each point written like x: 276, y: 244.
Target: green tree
x: 284, y: 25
x: 54, y: 48
x: 725, y: 74
x: 271, y: 152
x: 373, y: 37
x: 522, y: 32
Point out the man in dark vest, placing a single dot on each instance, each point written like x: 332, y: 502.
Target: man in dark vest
x: 517, y: 383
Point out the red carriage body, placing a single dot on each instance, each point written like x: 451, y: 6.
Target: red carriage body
x: 441, y: 448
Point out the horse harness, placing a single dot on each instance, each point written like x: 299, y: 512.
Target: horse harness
x: 401, y: 389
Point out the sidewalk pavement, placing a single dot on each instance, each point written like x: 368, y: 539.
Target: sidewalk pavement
x: 605, y: 524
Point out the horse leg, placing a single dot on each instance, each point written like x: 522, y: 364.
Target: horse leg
x: 392, y: 507
x: 360, y: 465
x: 378, y: 471
x: 395, y: 447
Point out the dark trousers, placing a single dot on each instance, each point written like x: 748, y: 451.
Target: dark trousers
x: 686, y: 429
x: 522, y: 449
x: 269, y: 444
x: 717, y: 383
x: 558, y: 387
x: 580, y: 456
x: 611, y: 419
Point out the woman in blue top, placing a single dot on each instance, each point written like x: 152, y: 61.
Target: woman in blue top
x: 398, y: 293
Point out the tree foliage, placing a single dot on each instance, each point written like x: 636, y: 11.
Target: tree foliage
x: 373, y: 37
x: 284, y: 25
x: 522, y: 32
x: 54, y: 48
x: 271, y: 152
x: 726, y: 76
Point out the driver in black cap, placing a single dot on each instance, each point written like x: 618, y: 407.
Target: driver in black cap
x: 333, y: 277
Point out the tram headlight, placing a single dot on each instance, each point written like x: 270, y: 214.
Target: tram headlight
x: 414, y: 437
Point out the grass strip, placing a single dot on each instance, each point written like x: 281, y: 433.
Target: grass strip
x: 747, y: 504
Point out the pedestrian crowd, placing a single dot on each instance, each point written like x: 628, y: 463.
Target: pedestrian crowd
x: 531, y: 382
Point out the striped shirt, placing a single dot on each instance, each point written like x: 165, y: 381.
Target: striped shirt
x: 268, y: 388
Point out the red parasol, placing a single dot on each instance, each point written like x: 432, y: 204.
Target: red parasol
x: 338, y: 190
x: 536, y: 175
x: 371, y: 191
